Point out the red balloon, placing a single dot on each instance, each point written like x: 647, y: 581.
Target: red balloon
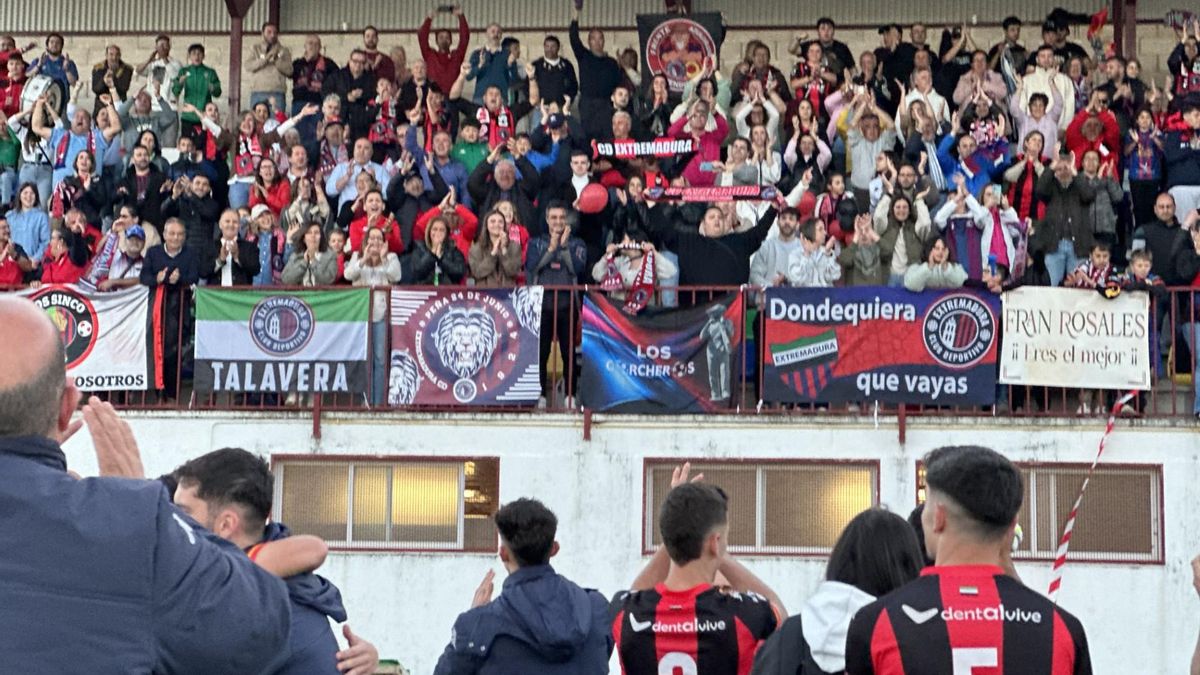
x: 593, y: 199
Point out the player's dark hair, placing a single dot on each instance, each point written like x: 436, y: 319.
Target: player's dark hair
x: 876, y: 553
x: 1101, y: 246
x: 527, y: 528
x: 688, y: 515
x: 914, y: 520
x: 982, y: 481
x: 232, y: 477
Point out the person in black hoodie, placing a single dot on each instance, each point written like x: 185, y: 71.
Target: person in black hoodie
x: 542, y: 622
x: 229, y: 491
x: 712, y: 254
x: 191, y: 201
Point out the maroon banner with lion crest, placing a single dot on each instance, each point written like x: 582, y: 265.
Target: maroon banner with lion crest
x: 460, y: 346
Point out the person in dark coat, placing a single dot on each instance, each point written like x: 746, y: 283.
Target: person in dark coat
x: 230, y: 260
x: 436, y: 261
x: 145, y: 187
x: 542, y: 622
x: 104, y: 571
x: 170, y: 270
x: 712, y: 255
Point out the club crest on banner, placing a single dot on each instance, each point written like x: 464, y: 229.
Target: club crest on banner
x: 958, y: 330
x: 404, y: 380
x: 677, y: 49
x: 74, y: 317
x: 281, y: 325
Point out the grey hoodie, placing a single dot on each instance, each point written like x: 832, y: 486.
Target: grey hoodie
x: 826, y: 618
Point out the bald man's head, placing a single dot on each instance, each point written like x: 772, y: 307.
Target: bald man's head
x: 32, y: 373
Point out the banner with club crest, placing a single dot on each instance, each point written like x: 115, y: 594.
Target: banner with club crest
x: 465, y: 346
x: 260, y: 340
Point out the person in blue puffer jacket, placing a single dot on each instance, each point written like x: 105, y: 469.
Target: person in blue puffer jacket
x: 542, y: 622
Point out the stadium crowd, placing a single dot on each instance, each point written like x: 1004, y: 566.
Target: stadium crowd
x: 921, y: 164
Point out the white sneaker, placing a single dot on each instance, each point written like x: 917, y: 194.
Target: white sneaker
x: 541, y: 404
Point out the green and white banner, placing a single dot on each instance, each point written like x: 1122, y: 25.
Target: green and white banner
x: 282, y: 341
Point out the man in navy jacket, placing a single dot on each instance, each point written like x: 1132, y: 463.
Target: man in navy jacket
x: 541, y: 623
x: 104, y: 571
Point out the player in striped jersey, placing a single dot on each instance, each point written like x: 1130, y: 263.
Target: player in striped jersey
x: 674, y: 621
x: 964, y: 615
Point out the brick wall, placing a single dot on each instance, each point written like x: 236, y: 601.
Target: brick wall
x: 1154, y: 45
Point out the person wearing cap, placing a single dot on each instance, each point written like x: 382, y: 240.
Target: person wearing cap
x: 270, y: 244
x: 126, y: 268
x: 326, y: 153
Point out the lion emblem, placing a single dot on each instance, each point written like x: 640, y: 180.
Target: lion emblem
x: 404, y: 380
x: 465, y: 339
x: 527, y: 303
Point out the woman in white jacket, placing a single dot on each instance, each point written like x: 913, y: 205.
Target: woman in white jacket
x: 876, y: 553
x: 375, y: 266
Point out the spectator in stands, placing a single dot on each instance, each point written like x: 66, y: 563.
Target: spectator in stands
x: 272, y: 242
x: 495, y: 260
x: 312, y: 263
x: 814, y: 264
x: 769, y: 267
x: 55, y: 64
x: 713, y: 254
x: 330, y: 151
x: 229, y: 491
x: 1102, y: 212
x: 380, y: 65
x: 1165, y: 239
x: 555, y: 258
x: 268, y: 68
x: 15, y: 263
x: 170, y: 270
x: 438, y: 163
x: 1065, y: 234
x: 140, y: 114
x: 126, y: 267
x: 903, y: 227
x: 270, y: 188
x: 1037, y: 115
x: 460, y: 220
x: 436, y: 260
x: 197, y: 85
x: 309, y: 205
x: 1125, y: 96
x: 541, y: 622
x: 112, y: 75
x: 442, y: 61
x: 144, y: 187
x: 973, y: 498
x: 192, y: 202
x: 497, y: 121
x: 599, y: 73
x: 373, y: 265
x: 869, y: 132
x: 1008, y: 56
x: 1047, y: 80
x: 374, y: 216
x: 631, y: 269
x: 959, y: 154
x: 836, y: 209
x: 496, y: 179
x: 837, y: 55
x: 937, y: 269
x: 979, y: 80
x: 161, y: 563
x: 234, y: 260
x: 490, y: 65
x: 699, y: 169
x: 1095, y: 128
x: 1188, y: 268
x: 70, y: 141
x: 67, y: 255
x: 12, y: 84
x: 1182, y: 155
x: 874, y: 555
x: 555, y: 74
x: 341, y: 181
x: 354, y: 85
x: 84, y: 190
x: 1144, y: 165
x: 679, y: 582
x: 30, y: 224
x: 923, y: 90
x: 10, y: 52
x: 160, y: 69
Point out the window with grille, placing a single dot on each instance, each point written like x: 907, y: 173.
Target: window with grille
x: 423, y: 504
x: 790, y: 508
x: 1119, y: 520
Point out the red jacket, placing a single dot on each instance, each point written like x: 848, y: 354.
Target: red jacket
x: 60, y: 271
x: 358, y: 231
x: 10, y: 97
x: 10, y: 273
x: 278, y: 196
x: 710, y: 149
x: 1110, y: 139
x: 462, y: 235
x: 443, y: 68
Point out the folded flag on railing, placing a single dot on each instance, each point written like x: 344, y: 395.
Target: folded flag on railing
x: 715, y: 193
x: 629, y: 148
x: 259, y: 340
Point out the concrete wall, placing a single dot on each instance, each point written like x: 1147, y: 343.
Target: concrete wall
x: 1154, y: 45
x: 1139, y: 618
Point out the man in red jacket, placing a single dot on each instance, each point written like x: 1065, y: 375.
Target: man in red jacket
x: 442, y: 62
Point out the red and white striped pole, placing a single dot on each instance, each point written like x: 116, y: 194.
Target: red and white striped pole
x: 1064, y: 544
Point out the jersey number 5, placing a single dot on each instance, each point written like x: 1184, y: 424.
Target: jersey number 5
x: 966, y: 660
x: 678, y: 663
